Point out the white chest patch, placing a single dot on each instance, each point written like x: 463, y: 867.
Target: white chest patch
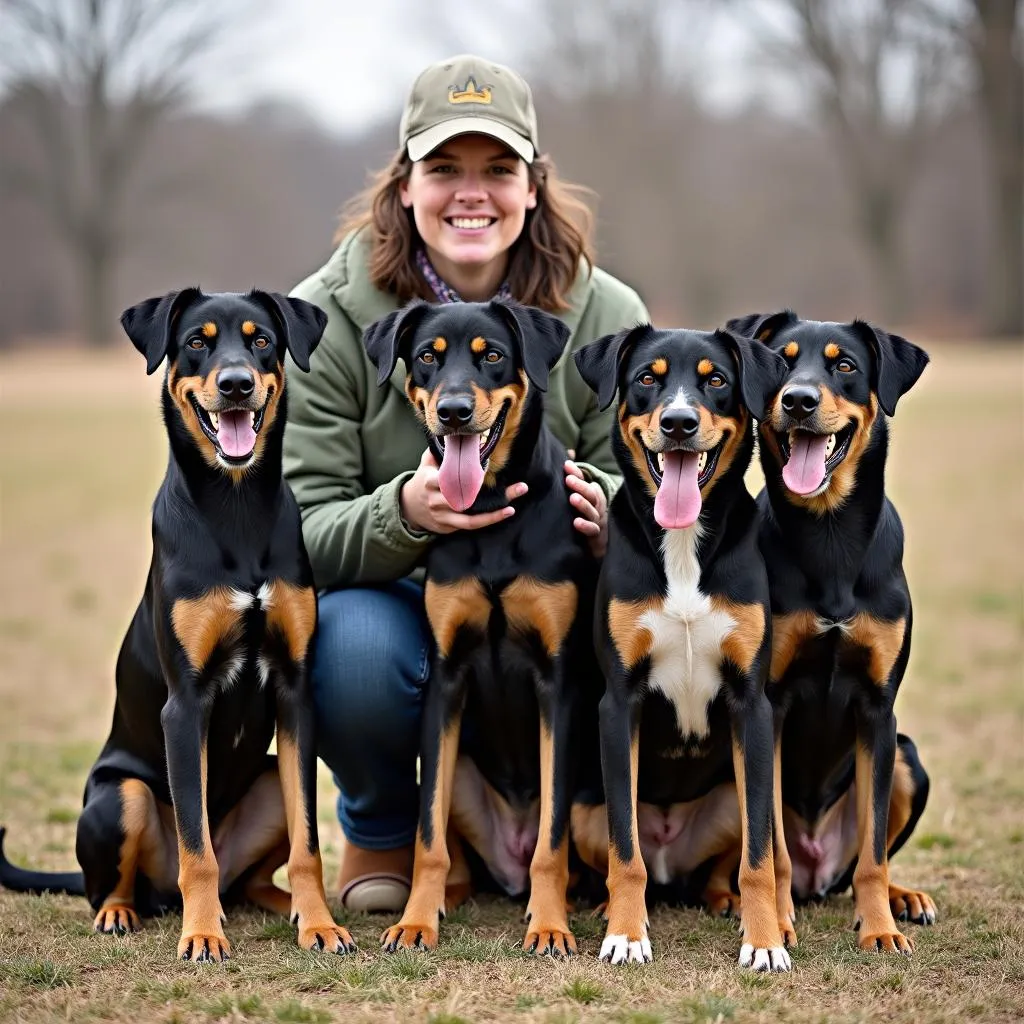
x: 243, y: 600
x: 686, y: 656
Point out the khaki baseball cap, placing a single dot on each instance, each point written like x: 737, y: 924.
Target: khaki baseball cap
x: 468, y: 94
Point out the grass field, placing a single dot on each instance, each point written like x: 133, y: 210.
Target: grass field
x: 81, y: 457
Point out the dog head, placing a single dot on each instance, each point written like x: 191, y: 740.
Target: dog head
x: 839, y: 376
x: 225, y: 363
x: 470, y: 370
x: 685, y: 402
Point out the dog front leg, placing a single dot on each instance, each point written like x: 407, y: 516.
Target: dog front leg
x: 752, y: 751
x: 185, y: 720
x: 786, y: 911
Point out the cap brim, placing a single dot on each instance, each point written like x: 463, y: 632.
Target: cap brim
x: 426, y: 142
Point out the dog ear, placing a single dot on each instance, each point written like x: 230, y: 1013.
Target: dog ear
x: 762, y: 371
x: 541, y: 337
x: 898, y: 364
x: 301, y: 323
x: 761, y: 326
x: 388, y: 338
x: 599, y: 362
x: 151, y: 324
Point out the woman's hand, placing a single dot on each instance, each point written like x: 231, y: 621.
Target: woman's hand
x: 591, y: 506
x: 424, y: 508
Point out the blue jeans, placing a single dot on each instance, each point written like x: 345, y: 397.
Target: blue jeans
x: 373, y: 654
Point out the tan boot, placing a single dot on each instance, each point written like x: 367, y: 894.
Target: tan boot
x: 374, y: 881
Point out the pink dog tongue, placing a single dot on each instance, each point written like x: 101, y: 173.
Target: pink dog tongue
x: 235, y: 433
x: 461, y: 476
x: 678, y: 502
x: 805, y: 470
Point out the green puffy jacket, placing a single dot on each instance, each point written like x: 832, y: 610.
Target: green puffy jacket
x: 349, y: 446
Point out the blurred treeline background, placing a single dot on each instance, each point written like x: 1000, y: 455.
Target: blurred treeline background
x: 843, y: 157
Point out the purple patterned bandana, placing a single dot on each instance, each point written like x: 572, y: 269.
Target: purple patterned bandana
x: 444, y: 292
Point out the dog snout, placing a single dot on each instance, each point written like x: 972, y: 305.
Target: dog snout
x: 455, y: 410
x: 680, y: 424
x: 235, y: 383
x: 800, y: 400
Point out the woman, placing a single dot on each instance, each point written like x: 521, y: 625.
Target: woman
x: 466, y: 210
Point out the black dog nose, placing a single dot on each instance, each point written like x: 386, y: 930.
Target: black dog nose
x: 235, y: 383
x: 800, y: 400
x: 680, y: 423
x: 455, y: 411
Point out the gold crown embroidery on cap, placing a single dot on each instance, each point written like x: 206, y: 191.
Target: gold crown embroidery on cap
x: 469, y: 93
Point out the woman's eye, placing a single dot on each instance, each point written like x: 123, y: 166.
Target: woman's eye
x: 426, y: 357
x: 196, y: 344
x: 716, y: 380
x: 845, y: 366
x: 494, y: 357
x: 261, y: 342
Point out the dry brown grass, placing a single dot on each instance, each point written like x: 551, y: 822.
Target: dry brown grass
x: 82, y: 454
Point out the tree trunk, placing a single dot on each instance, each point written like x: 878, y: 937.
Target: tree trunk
x: 880, y: 229
x: 96, y: 267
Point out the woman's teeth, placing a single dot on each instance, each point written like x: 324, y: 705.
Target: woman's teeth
x: 470, y: 223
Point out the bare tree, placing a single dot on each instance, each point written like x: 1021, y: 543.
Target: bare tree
x: 93, y: 80
x: 991, y: 35
x: 879, y: 78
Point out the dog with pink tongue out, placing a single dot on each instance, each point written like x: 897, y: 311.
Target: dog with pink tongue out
x: 683, y: 788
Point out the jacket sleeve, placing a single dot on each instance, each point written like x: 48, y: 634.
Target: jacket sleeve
x: 351, y: 536
x: 595, y: 456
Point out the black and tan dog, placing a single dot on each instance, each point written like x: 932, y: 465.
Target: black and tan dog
x: 849, y: 789
x: 184, y: 796
x: 509, y: 608
x: 683, y: 633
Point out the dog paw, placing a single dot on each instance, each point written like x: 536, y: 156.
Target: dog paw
x: 909, y: 905
x: 329, y: 938
x: 722, y: 904
x: 764, y: 958
x: 886, y: 942
x: 555, y: 941
x: 406, y: 935
x: 117, y: 919
x: 626, y: 949
x: 204, y: 947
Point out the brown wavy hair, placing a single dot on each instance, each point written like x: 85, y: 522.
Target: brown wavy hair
x: 543, y: 262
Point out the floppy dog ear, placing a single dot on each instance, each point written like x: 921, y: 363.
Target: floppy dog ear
x: 150, y: 324
x: 898, y: 364
x: 388, y: 338
x: 600, y: 361
x: 762, y: 326
x: 762, y: 371
x: 541, y: 338
x: 301, y: 323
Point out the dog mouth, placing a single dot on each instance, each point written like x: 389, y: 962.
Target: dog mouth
x: 232, y: 430
x: 679, y: 475
x: 809, y: 459
x: 707, y: 462
x: 464, y: 459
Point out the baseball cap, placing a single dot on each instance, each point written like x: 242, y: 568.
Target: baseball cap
x: 468, y: 94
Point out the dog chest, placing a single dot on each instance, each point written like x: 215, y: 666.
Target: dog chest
x: 687, y: 633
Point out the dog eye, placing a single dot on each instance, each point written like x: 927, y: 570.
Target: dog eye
x: 716, y: 380
x: 261, y: 342
x: 494, y: 357
x: 426, y: 357
x: 196, y: 344
x: 647, y: 379
x: 845, y: 366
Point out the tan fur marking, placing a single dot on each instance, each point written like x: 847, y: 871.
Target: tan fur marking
x: 883, y: 639
x: 792, y: 349
x: 743, y: 642
x: 478, y: 345
x: 705, y: 367
x: 632, y: 640
x: 660, y: 366
x: 785, y: 909
x: 209, y: 329
x: 201, y: 623
x: 440, y: 344
x: 789, y: 633
x: 831, y: 350
x: 248, y: 328
x: 453, y: 606
x: 729, y: 430
x: 547, y: 608
x: 757, y: 883
x: 589, y: 823
x: 292, y: 610
x: 515, y: 396
x: 900, y: 804
x: 627, y: 880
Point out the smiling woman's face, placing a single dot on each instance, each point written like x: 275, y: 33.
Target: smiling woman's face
x: 469, y: 200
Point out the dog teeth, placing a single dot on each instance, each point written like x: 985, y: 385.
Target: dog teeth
x: 661, y: 462
x: 215, y: 420
x: 484, y: 438
x: 252, y: 419
x: 830, y: 445
x: 702, y: 461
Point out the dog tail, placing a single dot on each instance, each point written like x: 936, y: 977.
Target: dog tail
x: 19, y: 880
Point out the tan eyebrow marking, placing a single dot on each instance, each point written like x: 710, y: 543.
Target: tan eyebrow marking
x: 478, y: 345
x: 210, y: 329
x: 440, y: 344
x: 792, y: 350
x: 831, y: 350
x: 248, y: 327
x: 705, y: 367
x: 660, y: 367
